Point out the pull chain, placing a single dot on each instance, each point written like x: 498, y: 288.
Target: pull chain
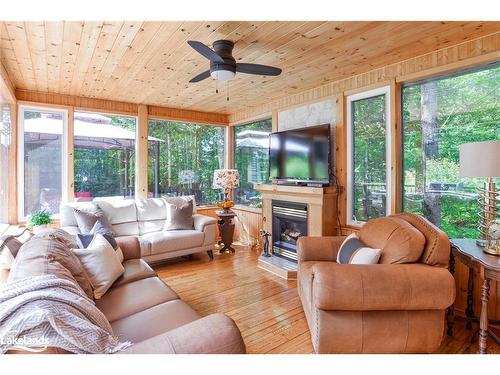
x: 216, y: 86
x: 227, y: 91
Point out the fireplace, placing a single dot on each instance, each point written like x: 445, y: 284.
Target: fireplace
x: 289, y: 223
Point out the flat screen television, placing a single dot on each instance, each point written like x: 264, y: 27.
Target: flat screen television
x: 300, y: 156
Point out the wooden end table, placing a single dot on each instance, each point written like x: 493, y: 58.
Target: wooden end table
x: 488, y: 267
x: 226, y: 228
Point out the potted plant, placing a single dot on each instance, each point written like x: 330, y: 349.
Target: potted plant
x: 39, y: 220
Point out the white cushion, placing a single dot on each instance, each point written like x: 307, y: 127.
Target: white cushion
x: 119, y: 211
x: 101, y: 263
x: 151, y: 209
x: 168, y: 241
x: 126, y: 229
x: 151, y: 226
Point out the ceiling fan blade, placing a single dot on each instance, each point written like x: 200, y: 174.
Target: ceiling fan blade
x: 205, y: 51
x: 258, y: 69
x: 201, y: 76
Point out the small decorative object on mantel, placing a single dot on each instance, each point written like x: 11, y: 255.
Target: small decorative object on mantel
x: 482, y: 159
x: 227, y: 180
x: 38, y: 221
x: 264, y: 233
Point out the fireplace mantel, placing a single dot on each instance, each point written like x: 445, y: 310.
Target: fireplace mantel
x: 321, y: 220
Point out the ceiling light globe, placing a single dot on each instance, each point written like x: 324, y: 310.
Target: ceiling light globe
x: 223, y: 75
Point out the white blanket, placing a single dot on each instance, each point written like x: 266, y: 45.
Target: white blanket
x: 46, y: 311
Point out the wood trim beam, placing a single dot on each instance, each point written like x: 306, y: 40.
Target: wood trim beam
x: 229, y: 147
x: 141, y: 152
x: 179, y: 114
x: 78, y: 102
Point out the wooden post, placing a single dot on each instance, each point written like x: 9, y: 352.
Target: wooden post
x: 397, y: 190
x: 70, y: 157
x: 141, y: 153
x: 13, y: 185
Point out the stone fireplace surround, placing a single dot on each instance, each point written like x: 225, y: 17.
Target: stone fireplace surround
x: 321, y: 204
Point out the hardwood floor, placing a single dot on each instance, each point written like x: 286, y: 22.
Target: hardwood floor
x: 265, y: 307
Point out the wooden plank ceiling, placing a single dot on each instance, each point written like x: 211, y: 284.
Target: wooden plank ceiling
x: 151, y: 63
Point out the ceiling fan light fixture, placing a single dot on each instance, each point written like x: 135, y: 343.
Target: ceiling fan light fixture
x: 223, y: 75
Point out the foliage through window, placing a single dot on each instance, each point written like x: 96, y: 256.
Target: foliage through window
x: 42, y: 170
x: 368, y: 155
x: 438, y: 116
x: 182, y: 158
x: 251, y: 159
x: 104, y: 162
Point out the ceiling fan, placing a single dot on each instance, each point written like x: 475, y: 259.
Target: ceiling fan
x: 223, y: 66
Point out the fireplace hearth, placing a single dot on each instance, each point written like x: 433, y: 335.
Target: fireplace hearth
x: 289, y: 222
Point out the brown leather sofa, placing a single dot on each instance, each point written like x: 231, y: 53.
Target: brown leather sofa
x: 142, y: 309
x: 396, y: 306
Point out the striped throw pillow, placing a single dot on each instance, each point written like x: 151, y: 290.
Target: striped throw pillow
x: 354, y: 251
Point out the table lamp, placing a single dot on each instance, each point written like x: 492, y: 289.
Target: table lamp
x: 227, y: 180
x: 482, y: 159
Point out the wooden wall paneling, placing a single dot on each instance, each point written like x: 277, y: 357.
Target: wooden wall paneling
x: 13, y: 186
x: 248, y: 225
x: 70, y: 158
x: 54, y: 32
x: 141, y: 153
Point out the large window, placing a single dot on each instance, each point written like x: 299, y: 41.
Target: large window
x: 5, y: 134
x: 104, y: 149
x: 182, y: 158
x: 251, y: 159
x: 438, y: 116
x: 368, y: 155
x: 41, y: 160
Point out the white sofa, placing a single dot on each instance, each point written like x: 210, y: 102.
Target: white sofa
x: 145, y: 218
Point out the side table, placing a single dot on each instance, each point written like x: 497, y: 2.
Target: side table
x: 226, y: 228
x: 488, y: 267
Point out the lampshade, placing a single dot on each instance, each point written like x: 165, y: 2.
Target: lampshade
x: 226, y: 179
x: 480, y: 159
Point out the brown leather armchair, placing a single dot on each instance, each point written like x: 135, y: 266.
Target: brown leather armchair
x: 396, y: 306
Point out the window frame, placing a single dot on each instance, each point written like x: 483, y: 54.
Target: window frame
x: 350, y: 99
x: 233, y: 161
x: 104, y: 113
x: 20, y: 155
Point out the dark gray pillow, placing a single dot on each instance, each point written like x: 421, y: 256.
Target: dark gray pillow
x: 86, y: 220
x: 99, y: 228
x: 179, y: 218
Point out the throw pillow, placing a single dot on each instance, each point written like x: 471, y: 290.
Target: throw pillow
x: 11, y: 246
x: 87, y: 219
x: 86, y: 239
x: 354, y: 251
x: 179, y: 217
x: 101, y: 263
x: 43, y: 255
